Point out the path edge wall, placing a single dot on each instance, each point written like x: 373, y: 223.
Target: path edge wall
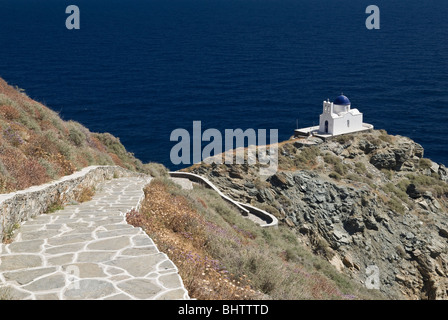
x: 245, y: 209
x: 17, y: 207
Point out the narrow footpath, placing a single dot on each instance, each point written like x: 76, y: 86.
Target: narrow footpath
x: 88, y: 251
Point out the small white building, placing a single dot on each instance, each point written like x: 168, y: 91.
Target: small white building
x: 338, y: 117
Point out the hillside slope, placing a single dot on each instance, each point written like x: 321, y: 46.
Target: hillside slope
x: 368, y: 202
x: 222, y: 255
x: 37, y: 146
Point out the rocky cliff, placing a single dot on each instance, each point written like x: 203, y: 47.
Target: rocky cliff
x: 368, y: 202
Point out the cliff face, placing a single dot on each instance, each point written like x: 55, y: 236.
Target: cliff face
x: 37, y: 146
x: 368, y: 202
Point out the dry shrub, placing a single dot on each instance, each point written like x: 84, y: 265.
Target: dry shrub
x: 81, y: 160
x: 116, y: 159
x: 65, y: 165
x: 3, y: 184
x: 156, y: 169
x: 36, y: 174
x: 47, y: 125
x: 41, y: 146
x: 96, y: 144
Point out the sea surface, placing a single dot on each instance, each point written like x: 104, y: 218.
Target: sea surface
x: 140, y: 69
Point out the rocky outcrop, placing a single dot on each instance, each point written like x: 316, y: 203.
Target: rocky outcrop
x: 404, y: 154
x: 365, y: 202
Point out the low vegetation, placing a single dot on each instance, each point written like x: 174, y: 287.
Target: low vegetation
x: 37, y: 146
x: 221, y: 255
x: 85, y: 194
x: 8, y: 235
x: 55, y: 206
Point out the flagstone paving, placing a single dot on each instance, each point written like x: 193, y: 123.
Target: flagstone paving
x: 88, y: 251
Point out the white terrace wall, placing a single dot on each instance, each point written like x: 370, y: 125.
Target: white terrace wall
x: 245, y: 209
x: 22, y: 205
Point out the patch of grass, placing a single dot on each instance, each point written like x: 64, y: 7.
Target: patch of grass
x: 55, y: 206
x: 343, y: 139
x: 9, y: 112
x: 114, y: 146
x: 306, y: 157
x: 388, y: 173
x: 424, y: 163
x: 400, y: 251
x: 50, y: 169
x: 385, y: 137
x: 403, y: 184
x: 338, y: 167
x: 428, y: 183
x: 393, y: 190
x: 322, y: 248
x: 375, y: 139
x: 396, y: 205
x: 354, y: 177
x: 156, y: 169
x: 85, y: 194
x: 331, y: 159
x: 9, y: 233
x: 360, y: 168
x: 77, y: 137
x: 284, y: 201
x: 334, y: 175
x: 261, y: 184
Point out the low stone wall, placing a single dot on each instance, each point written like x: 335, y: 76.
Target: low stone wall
x: 245, y: 209
x: 22, y: 205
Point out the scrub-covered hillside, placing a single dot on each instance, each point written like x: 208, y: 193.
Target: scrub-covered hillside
x: 37, y: 146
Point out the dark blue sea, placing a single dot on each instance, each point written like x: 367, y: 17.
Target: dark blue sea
x: 141, y: 68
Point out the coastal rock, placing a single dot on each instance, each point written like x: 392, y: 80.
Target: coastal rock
x: 364, y: 216
x: 384, y: 159
x: 337, y: 263
x: 348, y: 261
x: 399, y: 156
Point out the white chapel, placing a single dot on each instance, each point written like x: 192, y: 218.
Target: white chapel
x: 338, y: 117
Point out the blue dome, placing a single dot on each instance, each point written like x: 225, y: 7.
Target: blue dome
x: 342, y: 100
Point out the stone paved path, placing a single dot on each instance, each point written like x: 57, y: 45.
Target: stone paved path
x: 88, y: 251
